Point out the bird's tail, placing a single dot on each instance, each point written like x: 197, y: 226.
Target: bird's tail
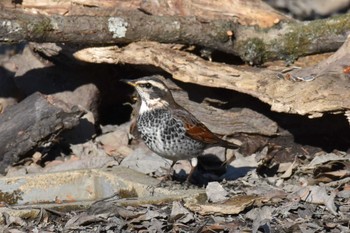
x: 228, y: 145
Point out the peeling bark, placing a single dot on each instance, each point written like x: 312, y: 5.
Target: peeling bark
x: 322, y: 95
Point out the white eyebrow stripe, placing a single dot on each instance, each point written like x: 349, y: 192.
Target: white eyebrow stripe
x: 155, y: 84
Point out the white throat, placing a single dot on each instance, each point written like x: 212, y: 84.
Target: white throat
x: 152, y: 104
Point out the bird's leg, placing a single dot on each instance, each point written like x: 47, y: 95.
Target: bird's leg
x: 194, y: 163
x: 169, y: 172
x: 228, y: 161
x: 168, y: 175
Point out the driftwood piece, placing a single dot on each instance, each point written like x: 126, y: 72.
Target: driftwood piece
x: 30, y: 123
x: 322, y: 95
x: 287, y: 41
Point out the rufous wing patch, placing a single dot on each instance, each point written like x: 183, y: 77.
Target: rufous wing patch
x: 194, y: 128
x: 201, y: 133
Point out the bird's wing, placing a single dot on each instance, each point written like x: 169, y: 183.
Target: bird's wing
x: 194, y: 128
x: 198, y: 131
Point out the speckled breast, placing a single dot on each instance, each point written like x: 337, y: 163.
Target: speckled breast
x: 166, y: 136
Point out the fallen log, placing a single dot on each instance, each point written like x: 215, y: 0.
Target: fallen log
x: 288, y: 41
x: 246, y: 12
x: 30, y: 124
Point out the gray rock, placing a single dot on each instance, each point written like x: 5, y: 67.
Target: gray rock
x: 145, y: 161
x: 215, y: 192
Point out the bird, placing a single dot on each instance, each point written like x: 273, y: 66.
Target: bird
x: 168, y: 129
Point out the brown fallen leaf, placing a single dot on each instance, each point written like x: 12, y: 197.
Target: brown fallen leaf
x: 288, y: 173
x: 331, y: 171
x: 318, y: 195
x: 234, y: 205
x: 261, y: 218
x: 220, y: 227
x: 81, y: 219
x: 323, y: 158
x: 180, y: 214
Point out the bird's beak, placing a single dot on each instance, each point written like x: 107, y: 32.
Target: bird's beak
x: 129, y: 81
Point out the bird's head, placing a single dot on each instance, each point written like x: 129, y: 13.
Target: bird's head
x: 153, y: 92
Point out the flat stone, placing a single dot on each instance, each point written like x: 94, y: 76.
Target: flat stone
x: 78, y: 189
x: 145, y: 161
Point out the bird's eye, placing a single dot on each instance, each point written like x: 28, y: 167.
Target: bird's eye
x: 147, y: 85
